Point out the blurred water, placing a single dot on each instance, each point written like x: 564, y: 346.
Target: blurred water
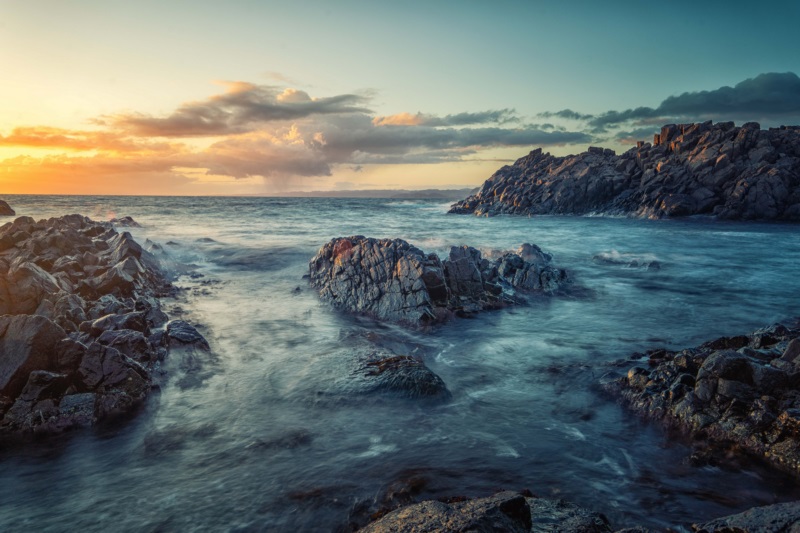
x: 275, y: 439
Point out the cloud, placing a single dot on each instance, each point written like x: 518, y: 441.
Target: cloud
x: 770, y: 97
x: 263, y: 132
x: 499, y: 116
x: 568, y: 114
x: 79, y: 140
x: 241, y: 108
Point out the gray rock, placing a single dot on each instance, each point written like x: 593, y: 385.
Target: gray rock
x: 710, y: 169
x: 392, y: 280
x: 182, y: 333
x: 778, y: 518
x: 27, y: 343
x: 730, y: 391
x: 506, y: 512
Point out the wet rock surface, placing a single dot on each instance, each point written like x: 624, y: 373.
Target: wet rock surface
x: 738, y: 393
x: 5, y: 209
x: 392, y: 280
x: 778, y: 518
x: 690, y: 169
x: 505, y: 511
x: 81, y: 336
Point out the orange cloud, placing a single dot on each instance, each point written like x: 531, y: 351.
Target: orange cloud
x: 400, y: 119
x: 79, y: 140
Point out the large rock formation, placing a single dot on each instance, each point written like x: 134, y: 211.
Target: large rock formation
x: 5, y: 210
x: 710, y: 169
x: 734, y: 392
x: 82, y: 330
x: 393, y: 280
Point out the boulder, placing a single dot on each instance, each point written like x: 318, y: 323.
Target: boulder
x: 5, y: 210
x: 392, y: 280
x: 506, y: 511
x: 27, y: 343
x: 404, y: 375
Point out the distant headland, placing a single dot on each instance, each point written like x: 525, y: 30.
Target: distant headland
x: 740, y: 173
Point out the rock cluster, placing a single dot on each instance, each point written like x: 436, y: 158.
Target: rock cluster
x: 741, y: 392
x: 5, y: 210
x: 709, y: 169
x: 393, y: 280
x: 82, y: 328
x: 522, y: 512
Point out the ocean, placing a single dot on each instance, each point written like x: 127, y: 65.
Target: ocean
x: 269, y: 433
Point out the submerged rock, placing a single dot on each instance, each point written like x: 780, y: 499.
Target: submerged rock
x: 5, y: 210
x: 708, y: 169
x: 739, y: 392
x: 404, y: 375
x: 393, y: 280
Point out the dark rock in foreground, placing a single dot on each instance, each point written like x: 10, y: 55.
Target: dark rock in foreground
x: 739, y: 392
x: 5, y: 210
x: 707, y: 169
x: 778, y: 518
x: 506, y: 511
x: 393, y: 280
x: 82, y: 335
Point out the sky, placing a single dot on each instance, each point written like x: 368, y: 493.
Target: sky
x: 258, y: 97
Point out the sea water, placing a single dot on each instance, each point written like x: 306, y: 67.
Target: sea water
x: 267, y: 435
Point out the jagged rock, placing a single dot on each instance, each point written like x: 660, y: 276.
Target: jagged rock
x: 5, y: 210
x: 739, y: 391
x: 27, y: 343
x: 393, y: 280
x: 506, y: 511
x: 125, y: 222
x: 76, y: 344
x: 182, y: 333
x: 710, y: 169
x: 778, y: 518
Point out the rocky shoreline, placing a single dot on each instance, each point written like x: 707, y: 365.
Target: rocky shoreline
x: 739, y: 392
x: 82, y: 333
x: 735, y: 393
x: 736, y: 173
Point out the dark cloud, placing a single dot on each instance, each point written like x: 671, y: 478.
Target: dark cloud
x: 769, y: 97
x: 568, y: 114
x: 498, y: 116
x: 344, y: 136
x: 240, y: 109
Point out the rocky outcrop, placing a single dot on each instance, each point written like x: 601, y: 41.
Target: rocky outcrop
x: 82, y: 332
x: 5, y: 210
x: 737, y: 392
x: 506, y: 511
x: 690, y: 169
x: 393, y: 280
x: 778, y: 518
